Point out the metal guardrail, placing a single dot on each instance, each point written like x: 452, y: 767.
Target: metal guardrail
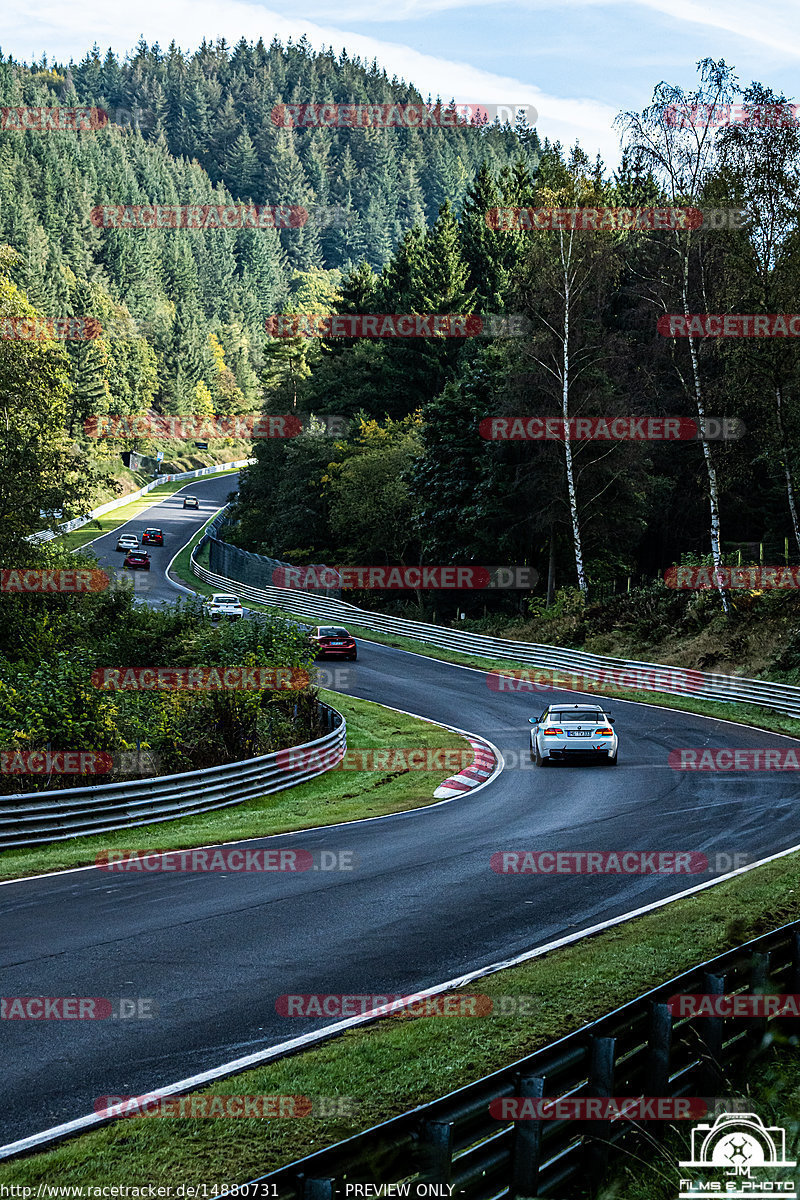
x: 27, y: 820
x: 639, y: 1049
x: 606, y: 673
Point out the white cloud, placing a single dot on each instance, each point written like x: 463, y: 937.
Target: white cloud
x: 775, y: 25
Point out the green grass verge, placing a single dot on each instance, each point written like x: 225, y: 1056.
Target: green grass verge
x: 330, y: 798
x: 126, y: 512
x: 748, y: 714
x: 402, y: 1061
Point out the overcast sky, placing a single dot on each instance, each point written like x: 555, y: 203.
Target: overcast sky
x: 577, y: 61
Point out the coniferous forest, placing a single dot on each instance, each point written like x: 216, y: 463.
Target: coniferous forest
x: 183, y: 311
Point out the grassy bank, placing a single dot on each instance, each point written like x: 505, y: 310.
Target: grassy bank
x: 330, y: 798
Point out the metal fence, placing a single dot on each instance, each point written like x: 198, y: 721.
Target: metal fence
x: 584, y: 672
x: 246, y: 567
x: 27, y: 820
x: 639, y: 1049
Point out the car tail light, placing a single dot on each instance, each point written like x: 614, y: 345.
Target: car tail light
x: 603, y: 732
x: 551, y: 732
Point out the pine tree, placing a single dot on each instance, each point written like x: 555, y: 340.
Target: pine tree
x: 243, y: 172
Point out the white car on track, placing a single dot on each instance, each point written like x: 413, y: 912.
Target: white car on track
x: 127, y: 542
x: 225, y: 606
x: 573, y: 733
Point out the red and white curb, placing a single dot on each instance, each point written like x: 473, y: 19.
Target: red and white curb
x: 482, y: 766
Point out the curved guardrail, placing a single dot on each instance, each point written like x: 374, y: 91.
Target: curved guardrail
x: 28, y: 820
x: 608, y: 673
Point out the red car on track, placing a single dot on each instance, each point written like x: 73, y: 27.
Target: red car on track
x: 331, y: 641
x: 153, y: 537
x: 137, y: 560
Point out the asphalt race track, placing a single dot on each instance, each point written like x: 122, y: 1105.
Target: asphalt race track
x: 178, y: 525
x: 215, y: 951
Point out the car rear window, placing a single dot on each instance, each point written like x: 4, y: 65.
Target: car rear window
x: 328, y: 632
x: 577, y: 715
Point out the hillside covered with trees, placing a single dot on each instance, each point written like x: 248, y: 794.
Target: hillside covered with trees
x: 583, y: 512
x: 183, y: 310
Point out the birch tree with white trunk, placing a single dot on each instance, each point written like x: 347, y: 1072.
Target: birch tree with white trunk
x: 674, y: 140
x: 576, y: 263
x: 760, y: 164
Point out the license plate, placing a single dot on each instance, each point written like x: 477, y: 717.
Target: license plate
x: 336, y: 643
x: 578, y: 733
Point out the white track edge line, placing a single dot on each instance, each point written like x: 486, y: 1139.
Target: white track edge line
x: 235, y: 1066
